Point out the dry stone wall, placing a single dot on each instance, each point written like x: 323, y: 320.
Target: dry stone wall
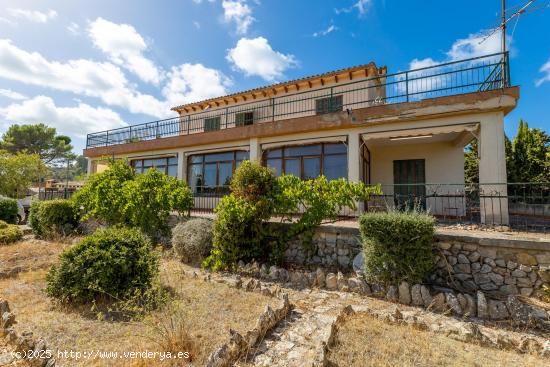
x: 468, y: 262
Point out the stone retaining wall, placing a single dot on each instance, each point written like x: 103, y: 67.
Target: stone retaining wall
x: 490, y: 262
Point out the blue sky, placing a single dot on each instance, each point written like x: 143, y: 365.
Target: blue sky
x: 84, y: 66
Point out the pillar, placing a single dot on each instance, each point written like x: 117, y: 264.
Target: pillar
x: 354, y: 162
x: 255, y: 150
x: 182, y: 166
x: 90, y: 166
x: 492, y: 171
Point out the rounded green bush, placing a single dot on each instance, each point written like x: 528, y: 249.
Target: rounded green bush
x: 53, y: 218
x: 9, y: 233
x: 192, y: 240
x: 8, y: 211
x: 112, y: 263
x: 397, y: 246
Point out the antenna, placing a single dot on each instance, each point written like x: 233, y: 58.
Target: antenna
x: 503, y: 36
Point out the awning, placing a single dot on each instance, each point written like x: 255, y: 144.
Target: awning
x: 424, y: 131
x: 328, y: 139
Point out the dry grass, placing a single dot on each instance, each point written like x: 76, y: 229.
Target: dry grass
x: 29, y: 255
x: 366, y: 341
x: 196, y: 321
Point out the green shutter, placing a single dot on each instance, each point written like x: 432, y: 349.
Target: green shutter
x: 212, y: 123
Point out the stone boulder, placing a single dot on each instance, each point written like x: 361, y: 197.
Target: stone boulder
x: 404, y: 293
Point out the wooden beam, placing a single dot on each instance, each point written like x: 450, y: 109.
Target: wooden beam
x: 350, y: 75
x: 322, y: 81
x: 264, y: 93
x: 244, y: 97
x: 309, y: 83
x: 297, y: 86
x: 286, y: 89
x: 217, y: 103
x: 226, y: 102
x: 253, y: 95
x: 336, y: 78
x: 235, y: 99
x: 274, y: 91
x: 193, y: 108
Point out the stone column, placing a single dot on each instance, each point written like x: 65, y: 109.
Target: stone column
x: 255, y: 150
x: 492, y: 171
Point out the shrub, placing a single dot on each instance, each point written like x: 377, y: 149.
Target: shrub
x: 53, y: 218
x: 192, y: 240
x: 119, y: 196
x: 397, y: 246
x: 110, y: 264
x: 9, y: 233
x: 34, y: 218
x: 238, y: 231
x: 8, y: 211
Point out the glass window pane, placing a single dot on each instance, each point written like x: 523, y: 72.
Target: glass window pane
x: 303, y: 150
x: 242, y: 155
x: 335, y: 148
x: 194, y: 177
x: 274, y: 153
x: 292, y: 167
x: 173, y: 171
x: 137, y: 163
x: 275, y: 164
x: 196, y: 158
x: 173, y: 160
x: 335, y: 166
x: 225, y: 173
x: 147, y: 162
x: 227, y: 156
x: 161, y: 169
x: 159, y: 162
x: 210, y: 175
x: 312, y: 168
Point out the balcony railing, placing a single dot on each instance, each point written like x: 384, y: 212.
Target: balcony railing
x: 527, y: 204
x: 482, y: 73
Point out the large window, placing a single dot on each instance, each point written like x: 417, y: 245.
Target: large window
x: 309, y: 161
x: 166, y: 165
x: 212, y: 172
x: 244, y: 118
x: 212, y: 123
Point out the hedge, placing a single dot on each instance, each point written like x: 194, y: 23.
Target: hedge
x: 397, y: 246
x: 9, y: 211
x: 53, y: 218
x: 9, y: 233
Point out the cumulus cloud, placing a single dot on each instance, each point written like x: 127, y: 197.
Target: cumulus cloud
x: 8, y: 93
x: 75, y: 121
x: 74, y: 28
x: 256, y: 57
x: 32, y: 15
x: 239, y: 12
x: 125, y: 47
x: 194, y: 82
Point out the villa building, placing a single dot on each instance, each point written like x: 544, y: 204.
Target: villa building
x: 406, y: 131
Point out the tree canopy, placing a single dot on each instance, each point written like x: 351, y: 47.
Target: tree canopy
x: 527, y: 156
x: 36, y: 139
x: 18, y: 172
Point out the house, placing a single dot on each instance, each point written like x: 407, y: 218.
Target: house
x: 406, y: 131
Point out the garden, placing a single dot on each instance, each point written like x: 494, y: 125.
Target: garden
x: 122, y: 266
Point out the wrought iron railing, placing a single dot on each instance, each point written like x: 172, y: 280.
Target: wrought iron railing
x: 524, y: 206
x: 471, y: 75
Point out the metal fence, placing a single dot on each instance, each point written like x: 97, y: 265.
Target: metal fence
x: 483, y: 73
x: 55, y: 194
x: 522, y: 206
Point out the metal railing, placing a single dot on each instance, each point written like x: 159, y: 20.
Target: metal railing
x: 522, y: 206
x: 465, y: 76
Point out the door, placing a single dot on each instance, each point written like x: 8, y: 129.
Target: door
x: 409, y: 178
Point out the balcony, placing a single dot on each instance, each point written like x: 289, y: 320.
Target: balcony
x: 477, y: 74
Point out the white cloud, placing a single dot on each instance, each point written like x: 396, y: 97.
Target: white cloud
x: 8, y: 93
x: 32, y: 15
x: 544, y: 69
x: 85, y: 77
x: 194, y: 82
x: 362, y: 7
x: 74, y: 28
x: 256, y: 57
x: 330, y: 29
x: 476, y: 44
x: 239, y: 12
x: 125, y: 47
x: 197, y: 25
x: 75, y: 122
